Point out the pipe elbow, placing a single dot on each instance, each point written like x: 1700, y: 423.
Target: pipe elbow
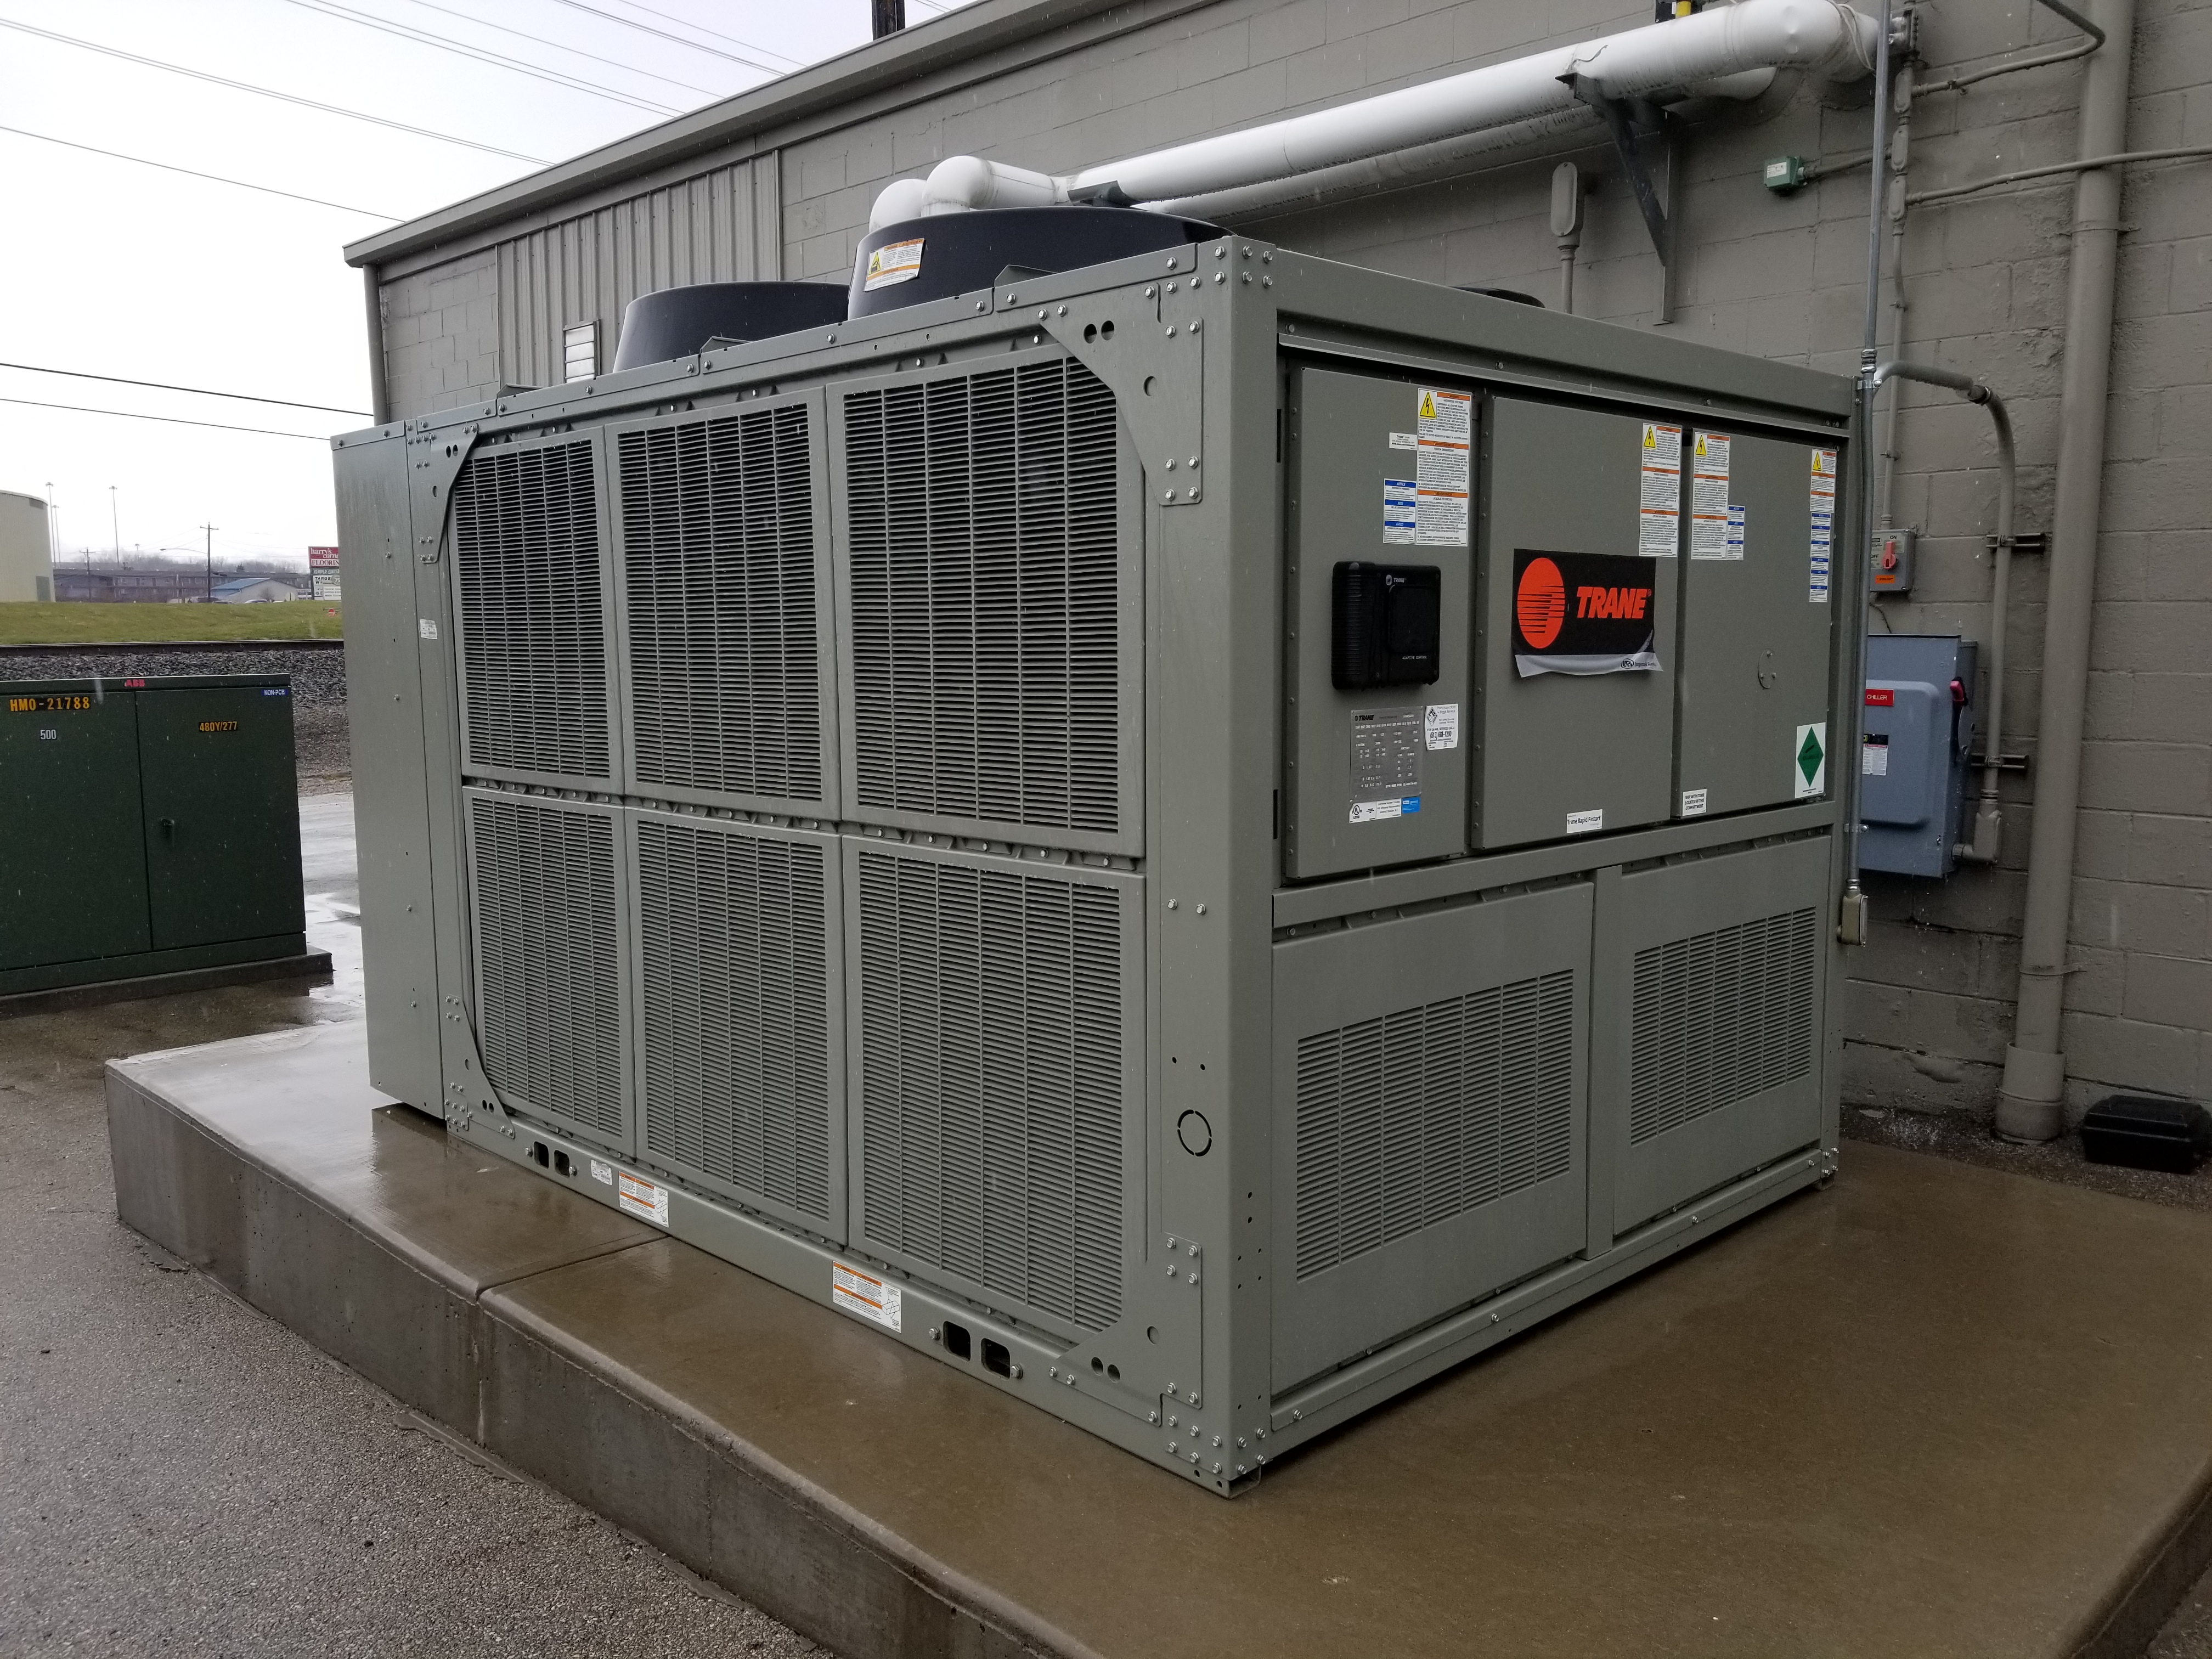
x: 900, y: 200
x: 961, y: 182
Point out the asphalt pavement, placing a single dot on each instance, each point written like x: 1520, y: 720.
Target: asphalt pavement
x: 179, y: 1474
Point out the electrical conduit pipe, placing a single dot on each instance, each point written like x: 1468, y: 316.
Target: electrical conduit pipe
x: 1988, y: 819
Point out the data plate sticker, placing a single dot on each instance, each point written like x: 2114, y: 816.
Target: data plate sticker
x: 603, y: 1173
x: 642, y: 1197
x: 1582, y: 823
x: 1386, y: 758
x: 1694, y: 803
x: 864, y: 1294
x: 894, y: 262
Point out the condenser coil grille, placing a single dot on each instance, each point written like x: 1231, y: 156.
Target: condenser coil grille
x: 533, y: 645
x: 983, y: 538
x: 549, y: 1018
x: 1718, y: 1018
x: 733, y: 1018
x: 992, y: 1079
x: 1408, y: 1119
x: 718, y: 555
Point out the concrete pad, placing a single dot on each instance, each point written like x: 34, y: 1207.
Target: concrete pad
x: 1936, y: 1410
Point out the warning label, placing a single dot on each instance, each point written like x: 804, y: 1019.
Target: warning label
x: 1708, y: 498
x: 1874, y: 758
x: 640, y: 1198
x: 1694, y: 804
x: 864, y: 1294
x: 1659, y: 502
x: 1440, y: 726
x: 1443, y: 430
x: 1821, y: 543
x: 894, y: 262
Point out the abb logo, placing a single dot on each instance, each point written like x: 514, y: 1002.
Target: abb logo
x: 1623, y: 603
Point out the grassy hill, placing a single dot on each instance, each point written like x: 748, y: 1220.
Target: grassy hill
x: 84, y: 624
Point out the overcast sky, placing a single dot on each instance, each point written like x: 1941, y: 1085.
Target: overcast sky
x: 119, y: 269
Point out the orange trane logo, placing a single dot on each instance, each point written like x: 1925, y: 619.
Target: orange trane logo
x: 1540, y: 602
x: 1621, y: 603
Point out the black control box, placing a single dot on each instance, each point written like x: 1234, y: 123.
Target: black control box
x: 1385, y: 621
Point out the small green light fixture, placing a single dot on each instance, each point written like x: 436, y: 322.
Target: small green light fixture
x: 1785, y: 174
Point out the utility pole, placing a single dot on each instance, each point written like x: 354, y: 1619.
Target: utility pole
x: 211, y: 561
x: 115, y: 524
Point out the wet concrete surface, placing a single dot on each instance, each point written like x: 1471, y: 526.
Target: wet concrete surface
x: 180, y: 1474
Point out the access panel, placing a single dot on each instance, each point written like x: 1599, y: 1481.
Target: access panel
x: 1377, y: 678
x: 221, y: 814
x: 1753, y: 675
x: 1575, y: 723
x: 72, y: 856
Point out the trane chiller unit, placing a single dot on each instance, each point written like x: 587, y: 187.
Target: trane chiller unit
x: 1202, y: 835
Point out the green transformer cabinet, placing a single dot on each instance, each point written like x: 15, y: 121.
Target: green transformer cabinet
x: 146, y: 828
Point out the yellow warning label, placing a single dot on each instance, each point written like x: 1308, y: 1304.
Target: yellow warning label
x: 1428, y: 406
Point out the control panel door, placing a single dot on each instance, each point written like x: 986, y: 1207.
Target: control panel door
x: 1376, y: 679
x: 1575, y: 614
x: 1753, y: 674
x: 221, y: 814
x: 72, y: 865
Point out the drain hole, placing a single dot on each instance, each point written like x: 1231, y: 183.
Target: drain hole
x: 956, y: 1340
x: 996, y: 1358
x: 539, y: 1155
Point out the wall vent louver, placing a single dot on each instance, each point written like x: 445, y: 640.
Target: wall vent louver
x: 719, y: 571
x: 1408, y: 1119
x: 984, y: 514
x: 992, y: 1079
x: 734, y: 1010
x: 525, y: 536
x: 1718, y: 1018
x: 549, y: 960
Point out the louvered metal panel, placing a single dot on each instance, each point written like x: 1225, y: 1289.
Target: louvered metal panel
x: 740, y: 1012
x: 1720, y: 1017
x: 1408, y: 1119
x: 725, y: 580
x: 995, y: 1065
x: 532, y: 606
x: 549, y: 960
x: 990, y: 548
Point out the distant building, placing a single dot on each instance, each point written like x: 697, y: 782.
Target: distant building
x: 254, y: 590
x: 160, y: 583
x: 26, y: 568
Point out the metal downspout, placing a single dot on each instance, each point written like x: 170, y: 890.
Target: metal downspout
x: 2030, y: 1099
x: 1988, y: 819
x: 379, y: 388
x: 1852, y: 917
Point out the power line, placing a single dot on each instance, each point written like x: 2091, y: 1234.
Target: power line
x: 127, y: 414
x: 271, y: 91
x: 217, y: 177
x: 646, y: 28
x: 577, y: 51
x: 497, y: 60
x: 640, y: 5
x: 196, y: 391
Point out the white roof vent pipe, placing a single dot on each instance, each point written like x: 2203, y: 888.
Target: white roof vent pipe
x: 1679, y: 53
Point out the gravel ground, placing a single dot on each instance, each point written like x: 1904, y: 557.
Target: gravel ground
x: 179, y: 1474
x: 321, y: 738
x: 1966, y: 1137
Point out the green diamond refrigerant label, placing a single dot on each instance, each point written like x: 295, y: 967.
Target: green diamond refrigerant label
x: 1811, y: 775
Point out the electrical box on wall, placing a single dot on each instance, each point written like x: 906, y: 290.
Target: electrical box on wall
x: 1895, y: 554
x: 1917, y: 735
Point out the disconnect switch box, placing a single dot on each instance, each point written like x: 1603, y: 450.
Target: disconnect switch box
x: 1917, y: 733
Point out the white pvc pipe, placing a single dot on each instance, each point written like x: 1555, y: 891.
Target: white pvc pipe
x: 1679, y: 52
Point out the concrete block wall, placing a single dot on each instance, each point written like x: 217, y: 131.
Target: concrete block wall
x: 1985, y: 288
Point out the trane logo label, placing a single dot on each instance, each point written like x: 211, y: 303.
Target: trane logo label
x: 1582, y: 613
x: 1628, y: 604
